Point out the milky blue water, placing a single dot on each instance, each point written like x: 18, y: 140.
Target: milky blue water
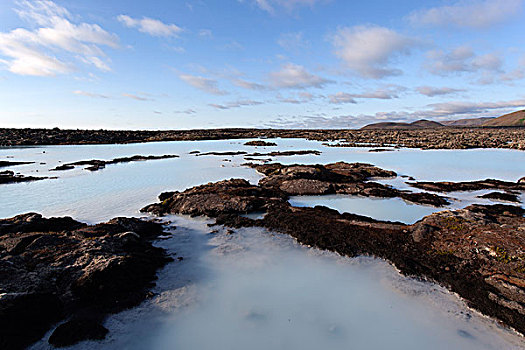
x: 253, y: 289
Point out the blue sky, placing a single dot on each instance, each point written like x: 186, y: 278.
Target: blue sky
x: 167, y: 64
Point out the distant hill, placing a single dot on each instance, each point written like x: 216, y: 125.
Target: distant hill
x: 511, y: 119
x: 467, y: 122
x: 418, y: 124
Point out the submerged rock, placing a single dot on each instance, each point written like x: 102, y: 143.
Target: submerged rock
x: 58, y: 267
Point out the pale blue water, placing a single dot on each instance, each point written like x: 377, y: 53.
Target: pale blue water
x: 254, y: 289
x: 388, y: 209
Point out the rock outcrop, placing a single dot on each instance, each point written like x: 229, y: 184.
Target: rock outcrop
x: 60, y: 269
x: 477, y: 252
x: 337, y: 178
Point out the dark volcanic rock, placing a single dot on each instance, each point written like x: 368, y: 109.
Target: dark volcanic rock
x: 26, y: 317
x: 6, y: 163
x: 447, y: 138
x: 229, y: 196
x: 340, y: 178
x: 58, y: 267
x: 75, y: 330
x: 284, y: 153
x: 8, y: 176
x: 476, y: 252
x: 469, y: 185
x: 97, y: 164
x: 63, y: 167
x: 509, y: 197
x: 260, y: 143
x: 228, y: 153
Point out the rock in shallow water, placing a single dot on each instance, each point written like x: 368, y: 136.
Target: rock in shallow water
x: 57, y: 267
x: 73, y: 331
x: 466, y: 250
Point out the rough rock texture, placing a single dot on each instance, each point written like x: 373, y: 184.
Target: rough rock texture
x: 340, y: 178
x: 8, y: 177
x: 57, y: 268
x: 258, y: 154
x: 469, y: 185
x: 260, y: 143
x: 502, y: 196
x: 445, y: 137
x: 477, y: 252
x: 96, y: 164
x: 229, y: 196
x: 284, y: 153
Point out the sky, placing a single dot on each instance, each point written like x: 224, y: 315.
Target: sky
x: 170, y: 64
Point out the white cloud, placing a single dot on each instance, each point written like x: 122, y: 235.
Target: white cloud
x: 90, y: 94
x: 292, y: 76
x: 249, y: 85
x: 385, y: 93
x: 461, y: 59
x: 270, y: 5
x: 34, y: 52
x: 301, y: 97
x: 139, y: 97
x: 150, y: 26
x: 188, y: 111
x: 342, y: 97
x: 368, y: 50
x: 437, y: 91
x: 205, y: 84
x: 293, y: 41
x: 471, y: 13
x: 235, y: 104
x: 205, y: 33
x: 488, y: 61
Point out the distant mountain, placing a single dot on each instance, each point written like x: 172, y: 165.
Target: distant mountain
x: 418, y: 124
x: 467, y: 122
x: 511, y: 119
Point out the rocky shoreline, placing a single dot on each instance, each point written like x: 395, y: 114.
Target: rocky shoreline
x: 441, y: 138
x: 477, y: 252
x: 58, y: 270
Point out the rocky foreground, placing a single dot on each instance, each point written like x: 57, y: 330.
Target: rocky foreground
x: 438, y: 138
x: 59, y: 270
x: 477, y: 252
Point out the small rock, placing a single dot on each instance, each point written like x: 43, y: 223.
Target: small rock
x: 76, y: 330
